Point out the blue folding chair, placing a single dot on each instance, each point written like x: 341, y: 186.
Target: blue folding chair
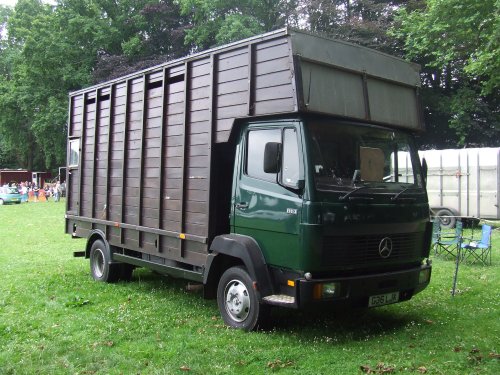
x: 449, y: 243
x: 436, y: 233
x: 478, y: 250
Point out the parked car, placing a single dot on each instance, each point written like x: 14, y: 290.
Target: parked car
x: 9, y: 195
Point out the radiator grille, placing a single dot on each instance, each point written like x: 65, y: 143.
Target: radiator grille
x: 364, y: 249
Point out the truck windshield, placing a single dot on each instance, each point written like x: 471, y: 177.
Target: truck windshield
x: 349, y: 156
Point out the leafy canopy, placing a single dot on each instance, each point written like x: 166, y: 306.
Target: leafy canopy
x: 458, y: 44
x: 47, y: 51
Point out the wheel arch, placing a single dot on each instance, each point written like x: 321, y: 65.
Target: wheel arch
x: 231, y: 250
x: 95, y: 235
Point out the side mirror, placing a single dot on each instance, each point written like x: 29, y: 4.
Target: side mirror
x: 272, y: 157
x: 424, y: 170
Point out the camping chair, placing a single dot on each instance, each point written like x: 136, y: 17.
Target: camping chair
x: 479, y: 250
x: 450, y: 242
x: 436, y: 233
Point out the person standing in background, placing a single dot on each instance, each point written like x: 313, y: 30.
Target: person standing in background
x: 57, y: 192
x: 24, y: 192
x: 36, y: 190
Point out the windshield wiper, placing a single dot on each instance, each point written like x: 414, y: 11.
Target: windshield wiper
x: 345, y: 196
x: 403, y: 191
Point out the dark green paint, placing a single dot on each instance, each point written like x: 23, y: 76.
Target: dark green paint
x: 293, y: 240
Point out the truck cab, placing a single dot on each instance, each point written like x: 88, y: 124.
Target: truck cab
x: 336, y: 217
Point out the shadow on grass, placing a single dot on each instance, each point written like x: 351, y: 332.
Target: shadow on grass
x: 341, y: 323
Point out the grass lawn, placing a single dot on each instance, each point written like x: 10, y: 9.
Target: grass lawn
x: 54, y: 319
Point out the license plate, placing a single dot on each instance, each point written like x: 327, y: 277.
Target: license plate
x: 383, y: 299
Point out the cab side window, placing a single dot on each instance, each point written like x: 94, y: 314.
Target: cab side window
x: 291, y: 166
x: 256, y: 143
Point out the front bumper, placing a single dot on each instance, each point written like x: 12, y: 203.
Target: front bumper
x: 356, y: 291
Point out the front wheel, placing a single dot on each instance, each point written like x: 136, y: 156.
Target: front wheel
x: 237, y: 300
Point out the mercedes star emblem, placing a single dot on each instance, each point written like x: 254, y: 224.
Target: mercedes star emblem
x: 385, y: 247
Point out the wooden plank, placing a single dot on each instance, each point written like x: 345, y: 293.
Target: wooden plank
x: 275, y: 65
x: 187, y: 102
x: 69, y: 193
x: 82, y: 150
x: 233, y: 74
x: 94, y: 152
x: 214, y: 63
x: 273, y: 93
x: 222, y: 136
x: 274, y: 106
x: 142, y: 140
x: 272, y: 52
x: 233, y: 111
x: 237, y: 61
x: 124, y: 163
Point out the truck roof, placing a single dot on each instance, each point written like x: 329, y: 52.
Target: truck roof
x: 306, y: 44
x: 285, y: 71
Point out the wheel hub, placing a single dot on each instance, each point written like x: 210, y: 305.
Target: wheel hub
x: 237, y: 300
x: 98, y: 263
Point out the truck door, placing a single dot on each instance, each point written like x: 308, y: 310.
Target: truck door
x: 268, y: 206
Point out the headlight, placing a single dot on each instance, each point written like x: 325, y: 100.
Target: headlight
x: 326, y: 290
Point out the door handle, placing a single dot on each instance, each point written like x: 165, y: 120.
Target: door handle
x: 242, y: 205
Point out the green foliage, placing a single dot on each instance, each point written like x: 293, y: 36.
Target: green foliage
x: 462, y: 33
x: 458, y: 44
x: 236, y: 27
x: 77, y: 301
x: 153, y: 325
x: 47, y: 51
x: 52, y: 50
x: 222, y: 21
x: 358, y: 21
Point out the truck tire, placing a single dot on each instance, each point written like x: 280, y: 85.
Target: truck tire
x: 446, y: 217
x: 100, y: 267
x: 238, y: 302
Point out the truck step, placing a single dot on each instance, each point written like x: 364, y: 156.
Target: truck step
x: 279, y: 299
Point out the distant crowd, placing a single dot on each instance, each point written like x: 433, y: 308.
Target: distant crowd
x: 30, y: 192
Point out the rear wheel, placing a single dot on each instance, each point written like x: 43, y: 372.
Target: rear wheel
x: 238, y: 302
x: 101, y: 267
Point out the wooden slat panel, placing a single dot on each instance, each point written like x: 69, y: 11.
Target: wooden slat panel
x: 124, y: 185
x: 165, y: 130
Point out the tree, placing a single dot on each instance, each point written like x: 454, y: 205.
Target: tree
x: 458, y: 44
x: 49, y: 51
x: 154, y: 33
x: 362, y: 22
x: 216, y: 22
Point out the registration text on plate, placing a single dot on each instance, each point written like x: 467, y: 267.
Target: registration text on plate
x: 383, y: 299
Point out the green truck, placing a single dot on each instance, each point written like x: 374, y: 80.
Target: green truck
x: 266, y: 170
